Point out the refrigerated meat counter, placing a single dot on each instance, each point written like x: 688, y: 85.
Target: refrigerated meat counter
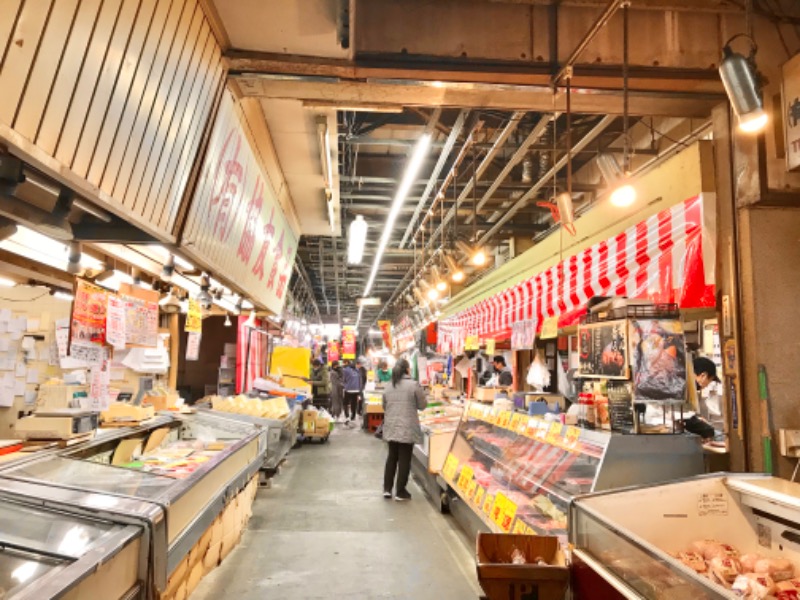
x: 173, y: 480
x: 513, y: 473
x: 694, y: 538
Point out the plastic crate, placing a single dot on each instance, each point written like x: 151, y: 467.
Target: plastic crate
x: 374, y: 420
x: 503, y: 580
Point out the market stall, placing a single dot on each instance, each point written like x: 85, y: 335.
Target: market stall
x: 439, y: 425
x: 189, y: 482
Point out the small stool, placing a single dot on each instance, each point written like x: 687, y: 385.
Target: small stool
x: 374, y: 420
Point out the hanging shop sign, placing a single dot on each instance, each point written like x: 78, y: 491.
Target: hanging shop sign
x: 523, y: 334
x: 333, y: 351
x: 386, y: 332
x: 194, y: 318
x: 348, y: 343
x: 193, y: 345
x: 472, y: 342
x: 235, y: 224
x: 490, y: 346
x: 660, y: 259
x: 791, y: 112
x: 549, y: 328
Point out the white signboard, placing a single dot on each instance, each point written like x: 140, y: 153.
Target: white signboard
x: 791, y: 111
x: 236, y: 223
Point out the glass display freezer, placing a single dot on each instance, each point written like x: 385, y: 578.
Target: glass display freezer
x: 629, y: 542
x: 174, y: 479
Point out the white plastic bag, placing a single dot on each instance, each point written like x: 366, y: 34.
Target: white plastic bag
x: 538, y: 374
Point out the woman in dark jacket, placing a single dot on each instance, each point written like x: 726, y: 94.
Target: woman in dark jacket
x: 402, y: 398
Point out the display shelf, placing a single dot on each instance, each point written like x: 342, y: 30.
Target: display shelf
x: 520, y: 473
x: 635, y: 551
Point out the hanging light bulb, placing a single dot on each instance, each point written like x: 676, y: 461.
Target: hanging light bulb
x: 623, y: 195
x: 431, y: 293
x: 738, y: 74
x: 438, y: 280
x: 478, y: 257
x: 227, y: 320
x: 453, y: 269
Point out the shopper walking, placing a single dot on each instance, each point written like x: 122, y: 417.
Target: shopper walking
x: 337, y: 390
x: 402, y: 398
x: 320, y: 381
x: 362, y: 371
x: 352, y: 390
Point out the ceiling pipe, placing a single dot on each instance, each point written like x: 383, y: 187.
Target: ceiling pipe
x: 498, y: 145
x: 534, y: 136
x: 596, y: 131
x: 448, y: 147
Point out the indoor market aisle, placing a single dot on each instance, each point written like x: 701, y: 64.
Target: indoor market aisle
x: 325, y: 531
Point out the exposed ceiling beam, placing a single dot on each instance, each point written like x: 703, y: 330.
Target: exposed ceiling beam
x: 544, y: 179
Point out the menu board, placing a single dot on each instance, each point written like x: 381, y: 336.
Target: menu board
x: 603, y: 350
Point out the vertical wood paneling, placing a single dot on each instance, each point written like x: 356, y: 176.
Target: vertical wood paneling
x: 122, y: 91
x: 67, y: 78
x: 118, y: 92
x: 45, y: 68
x: 87, y: 80
x: 172, y: 143
x: 136, y: 197
x: 190, y: 132
x: 149, y: 69
x: 9, y: 9
x: 20, y: 56
x: 105, y: 86
x: 142, y: 136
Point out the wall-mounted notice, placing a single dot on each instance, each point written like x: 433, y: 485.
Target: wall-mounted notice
x: 115, y: 322
x: 141, y: 322
x: 88, y: 314
x: 193, y: 346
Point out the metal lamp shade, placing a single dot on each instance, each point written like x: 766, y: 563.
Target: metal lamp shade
x: 740, y: 83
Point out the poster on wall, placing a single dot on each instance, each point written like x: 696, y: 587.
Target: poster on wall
x: 523, y: 334
x: 658, y: 359
x: 141, y: 322
x: 791, y: 112
x: 194, y: 317
x: 115, y: 322
x: 99, y: 381
x: 348, y: 343
x: 88, y: 323
x: 603, y: 350
x: 333, y: 351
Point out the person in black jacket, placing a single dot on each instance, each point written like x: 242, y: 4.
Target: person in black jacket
x: 362, y: 370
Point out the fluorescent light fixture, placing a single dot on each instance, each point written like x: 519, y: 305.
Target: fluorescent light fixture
x: 738, y: 74
x: 247, y: 305
x: 63, y: 296
x: 356, y: 240
x: 5, y: 282
x: 414, y: 165
x: 183, y: 263
x: 325, y: 153
x: 45, y: 250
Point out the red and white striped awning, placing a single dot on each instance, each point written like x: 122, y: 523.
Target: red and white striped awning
x: 660, y: 259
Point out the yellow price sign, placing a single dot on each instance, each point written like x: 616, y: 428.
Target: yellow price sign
x: 488, y: 502
x: 530, y: 531
x: 471, y: 488
x: 541, y: 431
x: 450, y: 467
x: 490, y: 346
x: 472, y: 343
x: 531, y: 426
x: 515, y: 419
x: 465, y: 477
x: 571, y: 437
x: 479, y: 494
x: 505, y: 419
x: 499, y: 507
x: 509, y: 512
x: 519, y: 527
x: 554, y: 434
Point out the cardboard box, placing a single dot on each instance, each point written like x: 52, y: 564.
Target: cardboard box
x: 374, y: 408
x: 484, y: 394
x: 322, y: 425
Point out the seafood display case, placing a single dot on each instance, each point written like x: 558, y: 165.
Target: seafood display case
x: 518, y: 473
x: 709, y: 537
x: 439, y: 425
x: 173, y: 479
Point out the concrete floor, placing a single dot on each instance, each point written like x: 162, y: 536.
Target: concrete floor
x: 324, y: 531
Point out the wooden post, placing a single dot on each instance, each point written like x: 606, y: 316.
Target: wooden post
x: 174, y: 350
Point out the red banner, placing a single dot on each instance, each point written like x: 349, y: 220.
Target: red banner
x: 660, y: 259
x: 386, y: 332
x: 333, y: 351
x: 348, y: 342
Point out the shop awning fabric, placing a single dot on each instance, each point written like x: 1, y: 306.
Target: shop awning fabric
x: 660, y: 259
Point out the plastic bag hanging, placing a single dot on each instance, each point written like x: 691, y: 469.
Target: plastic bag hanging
x: 538, y: 374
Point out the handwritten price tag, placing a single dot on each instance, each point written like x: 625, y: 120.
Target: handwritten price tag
x: 488, y: 502
x: 571, y: 438
x: 553, y: 436
x: 515, y: 420
x: 520, y: 527
x: 465, y: 478
x: 479, y: 494
x: 450, y: 467
x: 471, y: 489
x: 541, y: 431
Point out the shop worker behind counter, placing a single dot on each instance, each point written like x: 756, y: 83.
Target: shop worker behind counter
x: 504, y: 376
x: 402, y: 398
